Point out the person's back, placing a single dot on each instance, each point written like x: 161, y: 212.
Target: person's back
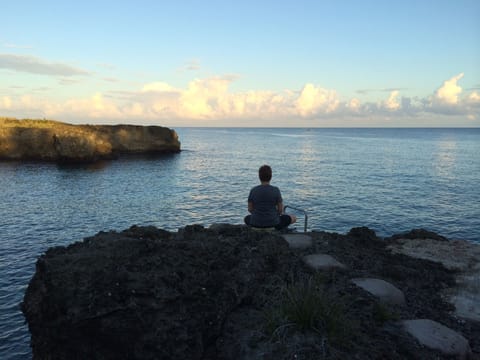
x: 266, y: 205
x: 265, y: 199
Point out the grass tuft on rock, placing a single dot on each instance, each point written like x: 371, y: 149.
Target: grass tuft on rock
x: 306, y: 306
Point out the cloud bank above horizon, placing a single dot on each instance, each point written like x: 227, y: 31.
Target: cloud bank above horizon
x: 210, y: 101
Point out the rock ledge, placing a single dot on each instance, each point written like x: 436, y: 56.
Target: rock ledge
x: 46, y: 140
x: 229, y: 292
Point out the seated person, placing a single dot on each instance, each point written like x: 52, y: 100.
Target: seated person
x: 265, y: 204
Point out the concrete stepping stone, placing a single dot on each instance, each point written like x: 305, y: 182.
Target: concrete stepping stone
x: 437, y: 336
x: 322, y: 262
x: 298, y: 241
x: 382, y: 289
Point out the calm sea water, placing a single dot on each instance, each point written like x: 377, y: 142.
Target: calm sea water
x: 390, y: 180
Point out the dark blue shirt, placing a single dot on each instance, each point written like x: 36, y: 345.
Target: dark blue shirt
x: 265, y: 199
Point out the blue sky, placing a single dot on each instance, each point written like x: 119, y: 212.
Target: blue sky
x: 248, y: 63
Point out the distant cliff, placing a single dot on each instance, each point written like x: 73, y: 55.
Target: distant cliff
x: 55, y: 141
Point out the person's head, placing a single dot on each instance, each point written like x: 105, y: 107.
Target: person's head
x: 265, y: 173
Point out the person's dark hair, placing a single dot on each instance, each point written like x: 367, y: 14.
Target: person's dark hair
x: 265, y: 173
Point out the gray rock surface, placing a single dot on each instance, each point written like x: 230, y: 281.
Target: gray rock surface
x: 322, y: 262
x: 437, y: 336
x: 298, y: 241
x: 382, y: 289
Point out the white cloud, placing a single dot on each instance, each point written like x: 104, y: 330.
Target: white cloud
x: 135, y: 110
x: 192, y: 65
x: 5, y: 103
x: 449, y: 100
x: 474, y: 98
x: 94, y: 107
x: 211, y: 100
x: 203, y: 98
x: 68, y: 81
x: 34, y: 65
x: 314, y: 99
x: 354, y: 105
x: 110, y: 79
x: 473, y: 105
x: 107, y: 66
x: 449, y: 91
x: 392, y: 103
x: 16, y: 46
x: 158, y: 87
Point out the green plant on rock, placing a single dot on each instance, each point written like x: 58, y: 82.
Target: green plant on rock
x: 303, y: 304
x: 307, y: 306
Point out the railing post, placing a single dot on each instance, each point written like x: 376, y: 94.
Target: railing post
x: 301, y: 210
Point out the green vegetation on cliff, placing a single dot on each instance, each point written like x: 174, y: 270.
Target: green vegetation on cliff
x: 32, y: 123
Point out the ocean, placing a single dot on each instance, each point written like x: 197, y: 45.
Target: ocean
x: 391, y: 180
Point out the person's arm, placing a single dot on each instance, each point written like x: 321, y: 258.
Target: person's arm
x: 250, y: 207
x: 280, y: 208
x: 280, y: 203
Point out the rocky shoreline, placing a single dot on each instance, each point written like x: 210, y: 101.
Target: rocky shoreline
x: 230, y: 292
x: 46, y: 140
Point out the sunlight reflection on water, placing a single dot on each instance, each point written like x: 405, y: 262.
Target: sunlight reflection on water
x: 445, y: 159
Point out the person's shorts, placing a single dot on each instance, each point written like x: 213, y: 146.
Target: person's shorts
x: 284, y: 221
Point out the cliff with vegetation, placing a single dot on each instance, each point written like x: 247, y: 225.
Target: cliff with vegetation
x: 48, y: 140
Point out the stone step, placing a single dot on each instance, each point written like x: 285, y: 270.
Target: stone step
x: 322, y: 262
x: 382, y: 289
x: 437, y: 336
x: 298, y: 241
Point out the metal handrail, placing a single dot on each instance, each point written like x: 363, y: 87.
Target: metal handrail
x: 301, y: 210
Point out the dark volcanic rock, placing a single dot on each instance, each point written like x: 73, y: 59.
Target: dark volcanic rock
x: 146, y: 293
x: 418, y: 234
x: 363, y: 233
x: 232, y: 293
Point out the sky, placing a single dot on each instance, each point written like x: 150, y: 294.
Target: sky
x: 282, y: 63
